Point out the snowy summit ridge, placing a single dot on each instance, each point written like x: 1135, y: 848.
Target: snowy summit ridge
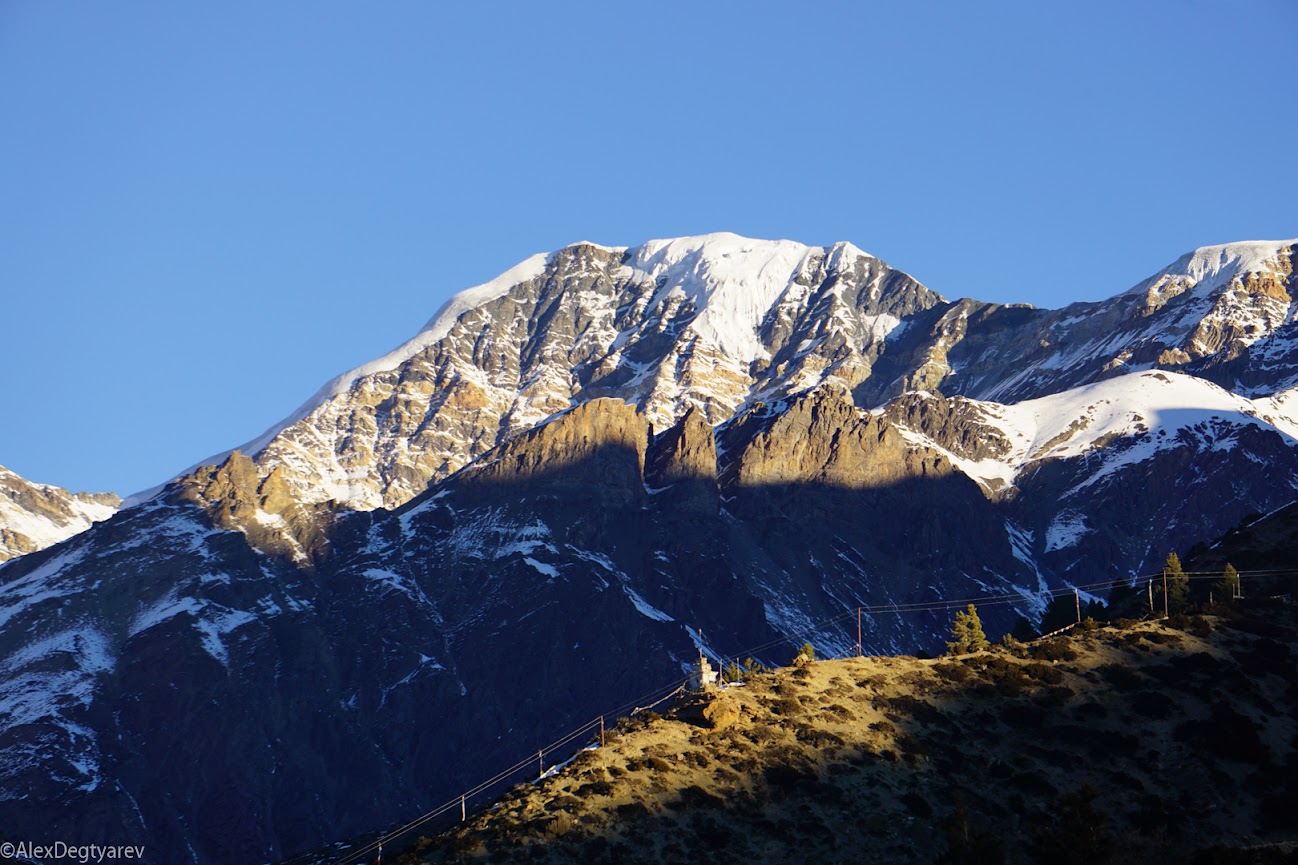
x: 719, y: 322
x: 1216, y: 266
x: 632, y: 319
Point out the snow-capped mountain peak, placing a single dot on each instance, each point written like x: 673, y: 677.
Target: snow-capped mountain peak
x: 720, y: 322
x: 1209, y: 270
x: 713, y: 322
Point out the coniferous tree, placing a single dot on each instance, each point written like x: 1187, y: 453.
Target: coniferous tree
x: 1124, y: 600
x: 1226, y: 589
x: 1060, y: 613
x: 1023, y: 630
x: 967, y: 633
x: 1178, y: 585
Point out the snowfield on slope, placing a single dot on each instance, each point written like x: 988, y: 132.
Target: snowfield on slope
x: 1145, y: 411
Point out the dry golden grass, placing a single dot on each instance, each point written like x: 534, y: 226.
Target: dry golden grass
x: 1188, y: 735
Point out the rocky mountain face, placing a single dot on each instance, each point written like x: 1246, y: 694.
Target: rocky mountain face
x: 720, y: 322
x: 708, y: 322
x: 579, y: 476
x: 1221, y: 313
x: 35, y: 516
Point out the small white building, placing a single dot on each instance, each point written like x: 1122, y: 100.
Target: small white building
x: 702, y: 676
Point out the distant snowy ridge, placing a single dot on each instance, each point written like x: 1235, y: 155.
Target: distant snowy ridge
x: 1140, y: 413
x: 1212, y: 268
x: 35, y: 516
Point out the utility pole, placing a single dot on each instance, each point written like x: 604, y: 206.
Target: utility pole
x: 1077, y: 599
x: 540, y: 759
x: 461, y: 807
x: 601, y: 731
x: 1165, y: 613
x: 1151, y: 596
x: 858, y: 632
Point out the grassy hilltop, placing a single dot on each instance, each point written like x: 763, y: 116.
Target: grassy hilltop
x: 1119, y: 744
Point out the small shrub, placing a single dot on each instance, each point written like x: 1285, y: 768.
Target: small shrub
x: 695, y: 797
x: 1054, y: 696
x: 1120, y: 676
x: 952, y: 672
x: 1053, y: 649
x: 1006, y: 678
x: 910, y: 745
x: 697, y: 759
x: 631, y: 810
x: 463, y: 844
x: 785, y: 775
x: 595, y: 788
x: 817, y: 738
x: 920, y: 710
x: 656, y: 763
x: 1044, y: 673
x: 564, y: 802
x: 838, y: 713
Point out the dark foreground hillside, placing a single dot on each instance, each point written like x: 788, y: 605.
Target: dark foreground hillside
x: 1151, y: 742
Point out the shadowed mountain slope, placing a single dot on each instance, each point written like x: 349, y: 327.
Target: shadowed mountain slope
x: 1143, y: 743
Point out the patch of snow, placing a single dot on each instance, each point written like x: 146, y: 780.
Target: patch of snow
x: 1066, y: 530
x: 549, y: 571
x: 731, y: 282
x: 38, y: 585
x: 646, y: 609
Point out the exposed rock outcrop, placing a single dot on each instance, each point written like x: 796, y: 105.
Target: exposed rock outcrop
x: 264, y: 509
x: 823, y: 438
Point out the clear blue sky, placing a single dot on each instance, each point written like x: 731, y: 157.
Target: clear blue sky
x: 206, y: 210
